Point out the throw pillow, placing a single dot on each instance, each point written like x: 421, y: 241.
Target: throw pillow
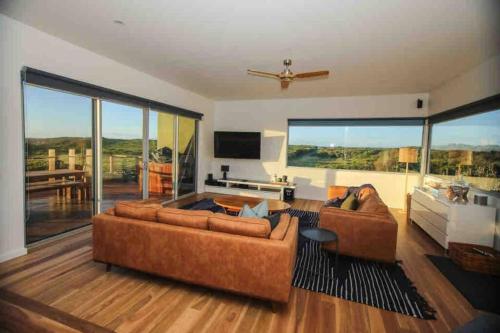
x: 333, y: 203
x: 350, y: 203
x: 246, y: 211
x: 261, y: 210
x: 274, y: 220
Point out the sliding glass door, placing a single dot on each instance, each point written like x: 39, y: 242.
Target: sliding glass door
x: 186, y: 156
x: 160, y: 168
x: 122, y: 147
x: 58, y: 162
x: 82, y: 154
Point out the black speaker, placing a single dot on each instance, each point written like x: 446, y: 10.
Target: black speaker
x: 481, y: 200
x: 289, y: 194
x: 420, y: 103
x: 225, y: 170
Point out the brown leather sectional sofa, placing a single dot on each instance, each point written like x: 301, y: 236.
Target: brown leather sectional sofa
x: 240, y: 255
x: 369, y: 232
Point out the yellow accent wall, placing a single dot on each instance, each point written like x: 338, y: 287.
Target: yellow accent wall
x: 187, y: 128
x: 186, y: 132
x: 165, y: 130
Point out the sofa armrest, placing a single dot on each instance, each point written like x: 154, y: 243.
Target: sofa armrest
x: 279, y: 232
x: 367, y: 235
x: 336, y: 191
x: 291, y: 240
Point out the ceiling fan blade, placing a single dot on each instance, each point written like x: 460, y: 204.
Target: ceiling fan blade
x: 311, y: 74
x: 285, y: 84
x: 265, y: 74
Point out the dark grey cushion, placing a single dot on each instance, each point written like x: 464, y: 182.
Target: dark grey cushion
x: 273, y: 219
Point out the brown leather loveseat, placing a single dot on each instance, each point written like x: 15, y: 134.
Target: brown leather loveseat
x: 240, y: 255
x: 368, y: 232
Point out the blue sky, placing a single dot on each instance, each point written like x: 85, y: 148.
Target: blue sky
x: 121, y: 121
x: 52, y: 114
x: 363, y: 136
x: 478, y: 130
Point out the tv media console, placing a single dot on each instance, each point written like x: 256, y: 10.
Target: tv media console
x: 250, y: 188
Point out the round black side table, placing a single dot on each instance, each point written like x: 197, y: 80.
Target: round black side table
x: 323, y: 236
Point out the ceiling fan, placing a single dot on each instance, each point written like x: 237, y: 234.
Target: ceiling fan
x: 287, y: 76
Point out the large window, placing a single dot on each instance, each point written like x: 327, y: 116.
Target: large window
x: 468, y: 149
x: 354, y: 144
x: 88, y: 146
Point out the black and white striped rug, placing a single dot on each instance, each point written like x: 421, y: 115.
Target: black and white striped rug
x: 384, y: 286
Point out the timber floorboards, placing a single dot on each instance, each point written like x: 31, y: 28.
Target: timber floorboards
x: 59, y: 288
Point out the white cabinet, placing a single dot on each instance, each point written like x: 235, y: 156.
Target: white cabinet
x: 447, y: 221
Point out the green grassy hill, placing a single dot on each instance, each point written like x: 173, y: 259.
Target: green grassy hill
x: 485, y: 160
x: 374, y: 159
x: 37, y: 150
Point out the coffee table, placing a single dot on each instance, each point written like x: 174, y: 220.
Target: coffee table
x: 234, y: 203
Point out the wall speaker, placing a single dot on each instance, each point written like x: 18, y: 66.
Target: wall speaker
x: 420, y: 103
x: 481, y: 200
x: 224, y: 169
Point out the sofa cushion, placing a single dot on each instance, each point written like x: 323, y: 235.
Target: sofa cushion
x: 281, y: 229
x: 337, y: 202
x: 186, y: 218
x: 336, y: 191
x: 350, y: 203
x: 138, y: 210
x: 245, y: 226
x: 372, y: 204
x: 273, y: 220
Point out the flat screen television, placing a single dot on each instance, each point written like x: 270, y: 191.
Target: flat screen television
x: 237, y: 145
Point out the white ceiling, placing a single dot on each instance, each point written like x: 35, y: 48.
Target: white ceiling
x: 371, y: 47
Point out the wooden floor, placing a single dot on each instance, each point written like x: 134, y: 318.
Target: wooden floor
x: 60, y: 288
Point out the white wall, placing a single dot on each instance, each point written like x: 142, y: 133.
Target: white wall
x: 22, y: 45
x: 475, y: 84
x: 270, y: 117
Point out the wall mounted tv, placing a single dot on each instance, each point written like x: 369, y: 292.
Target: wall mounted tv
x: 237, y: 145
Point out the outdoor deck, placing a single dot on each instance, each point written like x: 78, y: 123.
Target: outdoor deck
x: 49, y: 215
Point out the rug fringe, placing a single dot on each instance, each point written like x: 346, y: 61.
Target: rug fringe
x: 429, y: 311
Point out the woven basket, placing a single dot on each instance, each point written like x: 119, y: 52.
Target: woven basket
x: 464, y: 256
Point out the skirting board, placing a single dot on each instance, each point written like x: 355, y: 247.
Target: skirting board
x: 13, y: 253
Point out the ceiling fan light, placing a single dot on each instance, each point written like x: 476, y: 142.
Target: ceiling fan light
x: 287, y: 76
